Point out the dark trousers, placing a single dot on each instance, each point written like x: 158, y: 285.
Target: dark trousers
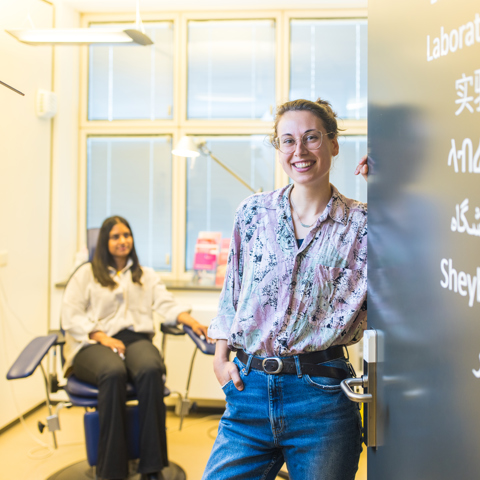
x: 144, y: 367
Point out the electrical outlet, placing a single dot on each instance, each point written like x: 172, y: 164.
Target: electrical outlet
x: 3, y: 258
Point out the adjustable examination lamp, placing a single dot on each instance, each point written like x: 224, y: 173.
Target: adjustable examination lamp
x: 189, y: 147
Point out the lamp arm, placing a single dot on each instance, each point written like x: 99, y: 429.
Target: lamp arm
x: 11, y: 88
x: 232, y: 173
x: 206, y: 151
x: 202, y: 146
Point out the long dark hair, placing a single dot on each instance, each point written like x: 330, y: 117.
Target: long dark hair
x: 103, y: 258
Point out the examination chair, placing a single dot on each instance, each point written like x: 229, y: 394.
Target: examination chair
x: 83, y: 394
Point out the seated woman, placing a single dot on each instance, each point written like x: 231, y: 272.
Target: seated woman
x: 107, y: 315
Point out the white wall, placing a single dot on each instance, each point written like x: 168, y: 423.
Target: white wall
x: 26, y: 162
x: 65, y: 162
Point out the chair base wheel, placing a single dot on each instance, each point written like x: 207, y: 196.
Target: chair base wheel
x: 83, y: 471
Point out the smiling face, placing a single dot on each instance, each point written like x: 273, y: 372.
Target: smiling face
x: 306, y: 167
x: 120, y: 241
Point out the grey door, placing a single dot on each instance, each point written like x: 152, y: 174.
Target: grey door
x: 424, y: 236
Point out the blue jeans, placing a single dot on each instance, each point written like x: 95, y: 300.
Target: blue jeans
x: 307, y: 422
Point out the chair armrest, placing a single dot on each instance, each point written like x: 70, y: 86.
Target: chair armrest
x: 203, y: 345
x: 31, y: 356
x: 169, y: 330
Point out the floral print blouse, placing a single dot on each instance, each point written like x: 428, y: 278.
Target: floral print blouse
x: 281, y: 299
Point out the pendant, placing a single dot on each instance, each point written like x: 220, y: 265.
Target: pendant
x: 305, y: 226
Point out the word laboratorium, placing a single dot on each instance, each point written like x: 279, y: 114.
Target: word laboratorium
x: 442, y: 45
x: 460, y: 282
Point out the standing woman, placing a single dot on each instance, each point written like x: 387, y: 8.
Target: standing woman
x: 107, y: 315
x: 294, y: 297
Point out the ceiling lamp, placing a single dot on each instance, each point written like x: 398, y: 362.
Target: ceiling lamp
x: 83, y: 36
x: 79, y: 36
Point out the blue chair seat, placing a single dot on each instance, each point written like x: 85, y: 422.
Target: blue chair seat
x: 80, y: 388
x: 83, y: 394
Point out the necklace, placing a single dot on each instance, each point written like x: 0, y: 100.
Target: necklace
x: 298, y: 216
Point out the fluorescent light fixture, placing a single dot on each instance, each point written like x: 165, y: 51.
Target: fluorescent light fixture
x: 79, y: 36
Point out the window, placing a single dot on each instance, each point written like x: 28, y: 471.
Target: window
x: 132, y: 82
x: 231, y: 69
x: 352, y: 149
x: 132, y: 177
x: 213, y: 194
x: 328, y: 59
x: 217, y: 76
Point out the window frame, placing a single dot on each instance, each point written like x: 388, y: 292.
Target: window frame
x: 180, y: 125
x: 351, y: 126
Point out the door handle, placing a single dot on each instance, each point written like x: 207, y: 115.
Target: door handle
x: 347, y: 385
x: 368, y: 381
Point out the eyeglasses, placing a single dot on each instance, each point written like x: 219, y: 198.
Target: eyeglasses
x: 312, y: 140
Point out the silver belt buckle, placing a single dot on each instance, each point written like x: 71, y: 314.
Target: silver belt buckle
x: 270, y: 359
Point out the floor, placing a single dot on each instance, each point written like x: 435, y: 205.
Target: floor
x: 24, y: 459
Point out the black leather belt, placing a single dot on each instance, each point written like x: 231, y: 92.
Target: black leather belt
x: 309, y: 363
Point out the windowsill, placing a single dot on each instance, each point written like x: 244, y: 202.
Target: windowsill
x: 171, y: 285
x: 188, y: 285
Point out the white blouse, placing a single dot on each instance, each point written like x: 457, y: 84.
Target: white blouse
x: 88, y: 306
